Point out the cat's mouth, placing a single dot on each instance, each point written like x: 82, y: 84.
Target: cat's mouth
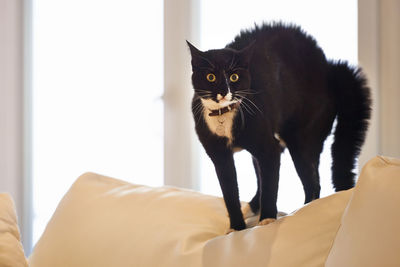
x: 219, y: 102
x: 212, y: 104
x: 224, y: 102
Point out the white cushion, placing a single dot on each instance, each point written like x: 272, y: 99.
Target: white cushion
x: 106, y: 222
x: 11, y: 251
x: 369, y: 234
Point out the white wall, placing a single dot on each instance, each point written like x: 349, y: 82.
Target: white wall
x: 11, y: 103
x: 389, y: 82
x: 368, y: 57
x: 379, y: 56
x: 180, y: 144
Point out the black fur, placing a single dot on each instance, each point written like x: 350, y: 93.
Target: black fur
x: 286, y: 86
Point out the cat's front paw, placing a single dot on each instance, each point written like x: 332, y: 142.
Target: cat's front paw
x: 236, y: 227
x: 266, y: 221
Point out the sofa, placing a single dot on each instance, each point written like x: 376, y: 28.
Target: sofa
x: 103, y: 221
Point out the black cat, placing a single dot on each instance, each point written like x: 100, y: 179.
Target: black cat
x: 271, y: 88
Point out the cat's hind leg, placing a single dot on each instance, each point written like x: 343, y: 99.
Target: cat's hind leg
x: 305, y: 157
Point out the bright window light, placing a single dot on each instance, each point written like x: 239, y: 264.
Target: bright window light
x: 221, y: 21
x: 97, y: 86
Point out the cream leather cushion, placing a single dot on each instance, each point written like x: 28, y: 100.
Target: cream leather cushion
x: 370, y: 235
x: 11, y: 251
x: 303, y: 239
x: 106, y: 222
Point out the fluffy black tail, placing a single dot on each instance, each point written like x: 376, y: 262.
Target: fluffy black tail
x: 353, y: 105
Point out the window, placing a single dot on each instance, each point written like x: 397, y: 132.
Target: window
x: 97, y: 87
x: 221, y: 21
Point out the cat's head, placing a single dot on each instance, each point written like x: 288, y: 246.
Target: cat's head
x: 221, y: 77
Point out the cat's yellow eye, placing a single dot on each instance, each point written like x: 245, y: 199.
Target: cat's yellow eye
x: 234, y: 78
x: 211, y: 77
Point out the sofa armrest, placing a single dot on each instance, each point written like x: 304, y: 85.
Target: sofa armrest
x: 369, y: 234
x: 11, y: 250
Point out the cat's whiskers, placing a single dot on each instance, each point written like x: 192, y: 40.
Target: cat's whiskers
x: 248, y: 108
x: 203, y: 94
x: 251, y: 102
x: 247, y: 92
x: 241, y: 114
x: 197, y: 111
x: 203, y: 91
x: 206, y: 96
x: 200, y: 115
x: 197, y: 108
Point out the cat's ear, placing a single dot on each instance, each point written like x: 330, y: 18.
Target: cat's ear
x: 193, y: 50
x: 198, y: 57
x: 246, y: 54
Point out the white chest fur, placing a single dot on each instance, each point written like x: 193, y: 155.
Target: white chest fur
x: 219, y: 125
